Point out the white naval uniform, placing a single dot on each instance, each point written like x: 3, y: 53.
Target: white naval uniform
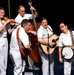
x: 15, y: 51
x: 3, y: 51
x: 43, y: 33
x: 19, y: 19
x: 65, y: 40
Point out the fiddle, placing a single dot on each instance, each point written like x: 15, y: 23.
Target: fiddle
x: 12, y: 22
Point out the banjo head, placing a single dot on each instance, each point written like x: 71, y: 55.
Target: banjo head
x: 67, y: 53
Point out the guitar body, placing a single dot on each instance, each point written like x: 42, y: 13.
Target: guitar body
x: 24, y: 52
x: 54, y: 39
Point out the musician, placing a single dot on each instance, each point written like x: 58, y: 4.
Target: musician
x: 4, y: 28
x: 22, y: 15
x: 65, y: 40
x: 14, y: 47
x: 45, y: 31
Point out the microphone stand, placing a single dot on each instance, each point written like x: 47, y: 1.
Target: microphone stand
x: 48, y: 55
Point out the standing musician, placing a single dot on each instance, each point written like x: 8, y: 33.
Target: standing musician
x: 22, y: 15
x: 4, y: 28
x: 65, y: 40
x: 14, y: 47
x: 42, y: 33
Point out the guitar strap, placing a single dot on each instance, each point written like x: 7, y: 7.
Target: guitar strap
x: 17, y: 36
x: 50, y: 29
x: 23, y: 55
x: 72, y: 37
x: 71, y: 33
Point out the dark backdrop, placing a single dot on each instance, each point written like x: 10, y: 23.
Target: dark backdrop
x: 54, y: 11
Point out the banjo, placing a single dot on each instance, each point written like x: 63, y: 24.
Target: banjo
x: 67, y: 51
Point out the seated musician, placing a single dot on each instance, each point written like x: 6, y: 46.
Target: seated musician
x: 65, y: 40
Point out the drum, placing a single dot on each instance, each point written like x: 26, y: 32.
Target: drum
x: 67, y: 53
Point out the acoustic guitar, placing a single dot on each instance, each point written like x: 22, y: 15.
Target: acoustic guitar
x: 54, y: 39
